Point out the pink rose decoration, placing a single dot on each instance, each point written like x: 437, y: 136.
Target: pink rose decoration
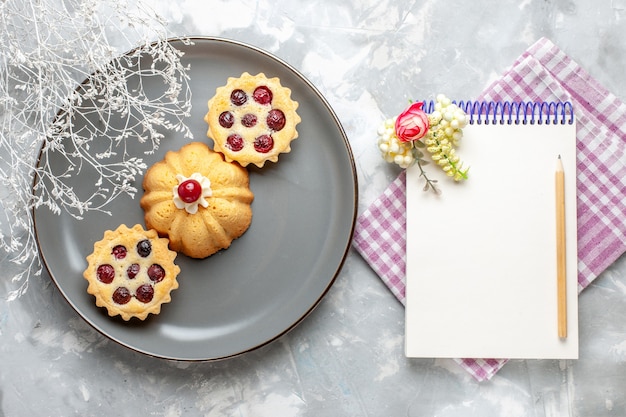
x: 412, y: 124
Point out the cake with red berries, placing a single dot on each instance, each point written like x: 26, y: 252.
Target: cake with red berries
x: 252, y: 119
x: 131, y: 272
x: 196, y: 199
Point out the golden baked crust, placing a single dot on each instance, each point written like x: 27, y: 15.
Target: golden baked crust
x: 148, y: 282
x: 227, y: 214
x: 262, y: 137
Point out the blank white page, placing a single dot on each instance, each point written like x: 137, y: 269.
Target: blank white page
x: 481, y: 256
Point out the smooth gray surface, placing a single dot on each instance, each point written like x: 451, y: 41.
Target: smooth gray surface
x: 271, y: 277
x: 346, y: 359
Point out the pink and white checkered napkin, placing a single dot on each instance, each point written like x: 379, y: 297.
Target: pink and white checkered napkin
x: 542, y: 73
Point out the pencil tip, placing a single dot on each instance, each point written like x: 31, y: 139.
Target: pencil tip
x: 559, y: 156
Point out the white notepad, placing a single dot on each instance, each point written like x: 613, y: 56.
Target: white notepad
x: 481, y: 256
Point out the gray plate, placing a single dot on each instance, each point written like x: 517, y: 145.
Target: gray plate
x: 269, y: 279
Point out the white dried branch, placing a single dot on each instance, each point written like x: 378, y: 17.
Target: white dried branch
x: 67, y: 93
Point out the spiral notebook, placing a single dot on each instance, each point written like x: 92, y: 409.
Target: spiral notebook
x: 481, y: 261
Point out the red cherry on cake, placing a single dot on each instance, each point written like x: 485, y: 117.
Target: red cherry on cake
x: 105, y: 273
x: 234, y: 142
x: 238, y: 97
x: 121, y: 295
x: 275, y: 119
x: 132, y: 271
x: 144, y: 293
x: 248, y: 120
x: 226, y: 119
x: 156, y: 273
x: 119, y: 252
x: 262, y: 95
x: 189, y: 190
x: 263, y: 143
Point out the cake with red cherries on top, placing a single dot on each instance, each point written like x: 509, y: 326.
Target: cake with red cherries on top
x: 196, y: 199
x: 252, y: 119
x: 131, y: 272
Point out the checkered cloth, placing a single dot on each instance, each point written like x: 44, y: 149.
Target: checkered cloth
x: 542, y: 73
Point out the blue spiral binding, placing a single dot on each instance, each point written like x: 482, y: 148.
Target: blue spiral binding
x: 513, y: 112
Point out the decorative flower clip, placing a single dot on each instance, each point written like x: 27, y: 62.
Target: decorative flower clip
x: 402, y: 139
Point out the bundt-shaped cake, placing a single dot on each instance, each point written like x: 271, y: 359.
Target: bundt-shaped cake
x: 131, y: 272
x: 197, y: 199
x: 252, y: 119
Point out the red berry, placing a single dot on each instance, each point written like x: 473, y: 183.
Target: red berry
x: 105, y: 273
x: 121, y: 295
x: 119, y: 252
x: 276, y: 119
x: 234, y: 142
x: 262, y: 95
x: 248, y: 120
x: 226, y: 119
x: 189, y: 190
x: 156, y: 273
x: 132, y: 271
x: 238, y: 97
x: 144, y: 293
x: 263, y: 144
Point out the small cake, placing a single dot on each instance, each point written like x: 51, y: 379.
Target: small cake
x: 131, y: 272
x: 252, y: 119
x: 196, y: 199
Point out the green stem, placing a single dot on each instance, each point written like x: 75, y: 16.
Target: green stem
x: 463, y: 174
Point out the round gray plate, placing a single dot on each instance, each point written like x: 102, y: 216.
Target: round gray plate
x: 269, y: 279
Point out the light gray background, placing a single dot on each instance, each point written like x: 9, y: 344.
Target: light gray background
x: 346, y: 359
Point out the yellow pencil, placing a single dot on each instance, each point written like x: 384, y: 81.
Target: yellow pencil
x: 559, y: 179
